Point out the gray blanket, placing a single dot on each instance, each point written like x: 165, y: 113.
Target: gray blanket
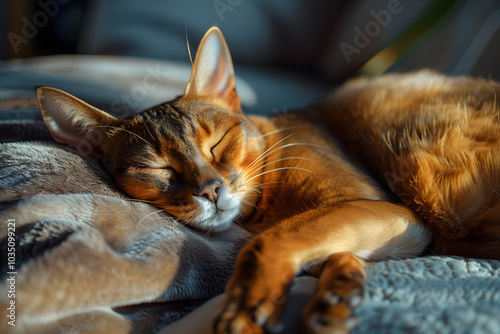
x: 89, y: 260
x: 431, y: 295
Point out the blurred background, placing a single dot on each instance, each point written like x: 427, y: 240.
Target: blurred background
x: 127, y: 55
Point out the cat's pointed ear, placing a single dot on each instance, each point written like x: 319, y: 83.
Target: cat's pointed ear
x: 213, y: 72
x: 73, y: 122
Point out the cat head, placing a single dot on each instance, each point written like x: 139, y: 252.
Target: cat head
x: 185, y: 156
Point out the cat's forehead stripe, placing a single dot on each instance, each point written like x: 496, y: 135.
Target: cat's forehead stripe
x: 170, y: 118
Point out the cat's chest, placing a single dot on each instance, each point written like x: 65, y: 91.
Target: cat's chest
x: 303, y: 170
x: 295, y: 198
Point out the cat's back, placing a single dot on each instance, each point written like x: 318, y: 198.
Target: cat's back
x: 425, y: 101
x: 435, y: 141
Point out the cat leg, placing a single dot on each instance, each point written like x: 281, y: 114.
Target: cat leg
x: 266, y: 266
x: 340, y: 291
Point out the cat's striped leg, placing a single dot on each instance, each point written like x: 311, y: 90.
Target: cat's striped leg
x: 263, y: 273
x: 266, y: 266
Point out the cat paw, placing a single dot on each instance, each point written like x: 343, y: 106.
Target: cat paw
x: 333, y: 313
x: 236, y: 318
x: 255, y: 295
x: 340, y: 292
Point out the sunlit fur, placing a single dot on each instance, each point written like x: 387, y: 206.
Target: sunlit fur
x: 435, y: 142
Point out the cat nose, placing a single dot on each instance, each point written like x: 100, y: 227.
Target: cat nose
x: 210, y: 192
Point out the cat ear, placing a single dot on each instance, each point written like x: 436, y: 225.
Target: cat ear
x: 73, y: 122
x: 213, y: 72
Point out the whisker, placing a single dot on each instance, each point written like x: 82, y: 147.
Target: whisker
x: 259, y: 195
x: 230, y: 97
x: 279, y: 148
x: 264, y: 153
x: 264, y: 185
x: 302, y: 144
x: 178, y: 220
x: 243, y: 216
x: 275, y: 161
x: 274, y: 153
x: 261, y: 186
x: 284, y: 129
x: 208, y: 232
x: 115, y: 127
x: 275, y: 170
x: 146, y: 216
x: 250, y: 191
x: 138, y: 200
x: 147, y: 128
x: 81, y: 185
x: 191, y: 60
x: 238, y: 222
x: 249, y: 203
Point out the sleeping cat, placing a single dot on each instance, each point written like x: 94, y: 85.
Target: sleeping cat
x: 298, y: 183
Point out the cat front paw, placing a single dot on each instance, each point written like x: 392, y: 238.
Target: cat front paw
x: 255, y: 295
x: 333, y: 314
x: 340, y: 291
x: 241, y: 317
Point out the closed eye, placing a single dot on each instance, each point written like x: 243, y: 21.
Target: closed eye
x: 218, y: 149
x: 168, y: 168
x: 214, y: 151
x: 166, y: 171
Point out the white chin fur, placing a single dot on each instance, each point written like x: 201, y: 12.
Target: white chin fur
x: 217, y: 217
